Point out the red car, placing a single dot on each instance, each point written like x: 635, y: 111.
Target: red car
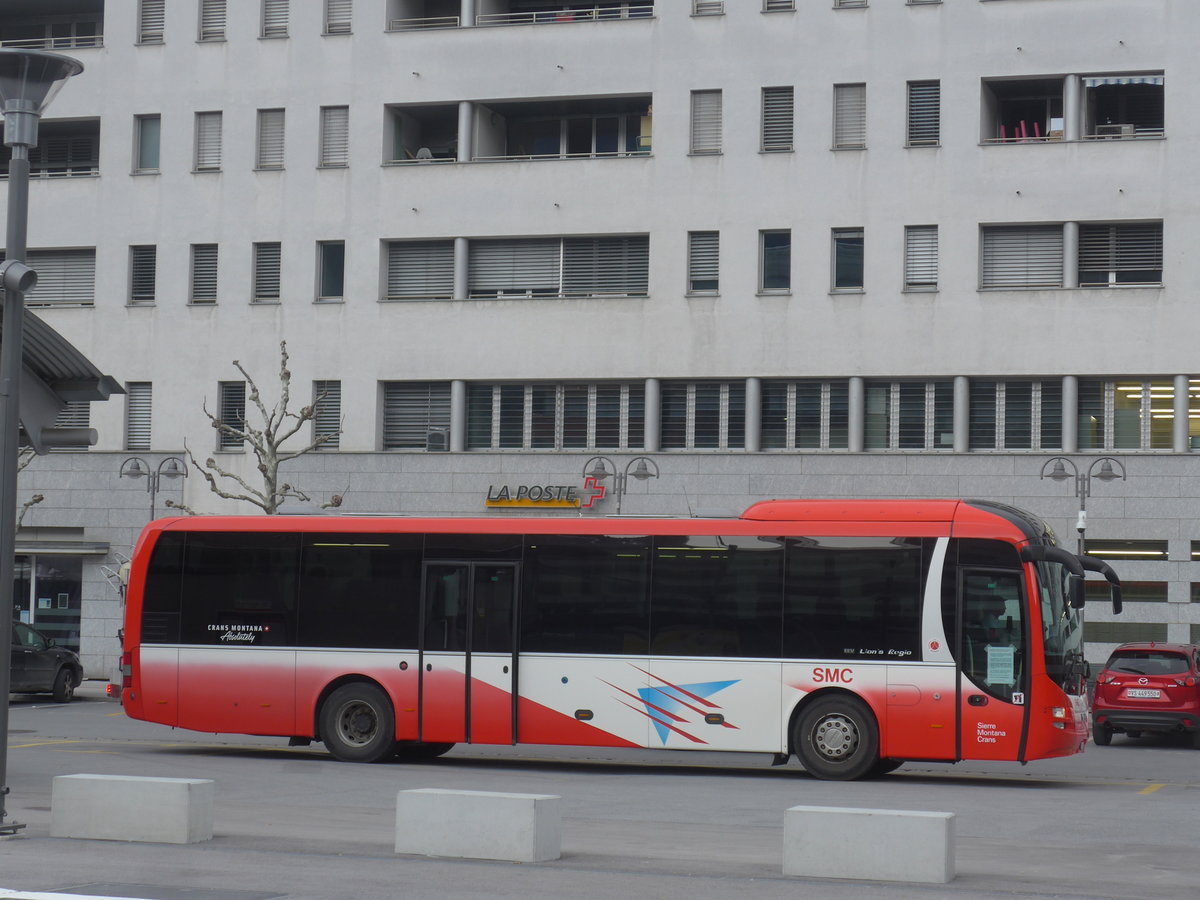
x: 1148, y: 686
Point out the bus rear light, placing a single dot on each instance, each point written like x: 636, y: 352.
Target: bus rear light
x: 126, y: 670
x: 1059, y: 712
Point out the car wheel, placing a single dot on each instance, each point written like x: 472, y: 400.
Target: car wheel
x: 64, y: 686
x: 358, y: 724
x: 1102, y: 735
x: 836, y: 738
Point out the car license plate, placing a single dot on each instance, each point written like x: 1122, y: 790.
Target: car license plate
x: 1144, y: 693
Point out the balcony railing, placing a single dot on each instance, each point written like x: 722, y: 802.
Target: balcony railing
x: 615, y: 154
x: 559, y: 17
x: 424, y: 23
x: 56, y: 43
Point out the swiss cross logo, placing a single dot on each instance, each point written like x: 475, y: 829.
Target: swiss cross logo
x: 594, y: 490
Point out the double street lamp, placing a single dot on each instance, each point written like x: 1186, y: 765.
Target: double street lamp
x: 136, y: 467
x: 29, y: 80
x: 1104, y: 468
x: 641, y: 468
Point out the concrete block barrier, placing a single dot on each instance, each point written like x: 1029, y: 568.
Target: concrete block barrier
x: 132, y: 808
x: 873, y: 844
x: 478, y: 825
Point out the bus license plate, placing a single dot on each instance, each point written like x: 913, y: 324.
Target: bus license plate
x: 1143, y: 693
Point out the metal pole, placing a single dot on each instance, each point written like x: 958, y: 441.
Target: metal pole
x: 10, y: 388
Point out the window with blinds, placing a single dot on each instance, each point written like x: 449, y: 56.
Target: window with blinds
x: 411, y: 411
x: 327, y: 415
x: 552, y: 416
x: 268, y: 265
x: 920, y: 258
x: 559, y: 267
x: 848, y: 245
x: 849, y: 4
x: 704, y: 262
x: 269, y: 154
x: 778, y: 5
x: 849, y: 116
x: 420, y: 270
x: 805, y: 415
x: 204, y: 273
x: 274, y: 18
x: 208, y: 141
x: 909, y: 415
x: 606, y: 266
x: 1121, y: 253
x: 231, y: 410
x: 65, y: 277
x: 708, y: 7
x: 148, y: 131
x: 143, y: 275
x: 65, y: 150
x: 335, y: 136
x: 331, y: 270
x: 212, y: 20
x: 703, y: 415
x: 924, y: 113
x: 151, y: 19
x: 1015, y: 415
x: 338, y: 16
x: 778, y: 110
x: 1021, y: 256
x: 706, y: 122
x: 75, y: 414
x: 138, y: 395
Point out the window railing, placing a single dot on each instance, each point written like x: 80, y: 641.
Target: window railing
x: 424, y: 23
x: 57, y: 43
x: 552, y: 17
x: 1122, y: 133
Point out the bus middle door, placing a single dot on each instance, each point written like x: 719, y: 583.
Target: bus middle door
x: 468, y: 659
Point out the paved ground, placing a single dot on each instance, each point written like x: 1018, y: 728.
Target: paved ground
x: 1118, y: 822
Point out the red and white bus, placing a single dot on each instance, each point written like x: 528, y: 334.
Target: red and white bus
x: 855, y: 634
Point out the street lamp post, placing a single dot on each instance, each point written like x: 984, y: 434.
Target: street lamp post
x: 1059, y: 468
x: 641, y: 468
x: 29, y: 79
x: 170, y: 467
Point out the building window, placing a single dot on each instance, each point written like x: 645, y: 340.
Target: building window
x: 138, y: 395
x: 1111, y: 255
x: 706, y: 122
x: 1124, y: 106
x: 805, y: 415
x: 65, y: 277
x: 269, y: 153
x: 231, y: 410
x: 1131, y: 591
x: 1130, y: 415
x: 268, y: 265
x: 66, y: 149
x: 327, y: 415
x: 204, y: 273
x: 849, y: 4
x: 924, y: 113
x: 208, y: 142
x: 708, y: 7
x: 75, y: 414
x: 420, y: 270
x: 147, y: 136
x: 704, y: 262
x: 921, y: 258
x: 1021, y: 256
x: 1023, y: 110
x: 777, y: 118
x: 559, y: 267
x: 335, y: 136
x: 338, y: 16
x: 909, y: 415
x: 151, y: 18
x: 775, y: 261
x: 143, y: 275
x: 274, y: 19
x: 849, y: 116
x: 1123, y: 632
x: 703, y: 415
x: 847, y: 259
x: 1015, y: 415
x: 778, y: 5
x: 549, y: 416
x: 416, y: 415
x: 1156, y: 551
x: 331, y: 270
x: 212, y: 20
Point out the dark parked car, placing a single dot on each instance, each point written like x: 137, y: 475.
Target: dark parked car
x: 1148, y: 686
x: 38, y: 666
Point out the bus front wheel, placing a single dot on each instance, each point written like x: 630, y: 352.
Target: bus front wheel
x: 836, y: 739
x: 358, y: 725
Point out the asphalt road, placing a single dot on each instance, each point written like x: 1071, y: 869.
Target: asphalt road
x: 1117, y: 822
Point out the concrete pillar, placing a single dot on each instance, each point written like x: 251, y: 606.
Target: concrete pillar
x: 1071, y: 255
x: 1180, y: 441
x: 962, y: 414
x: 857, y: 401
x: 466, y: 130
x: 753, y: 415
x: 653, y: 421
x: 1072, y: 108
x: 467, y: 14
x: 458, y: 416
x: 461, y: 260
x: 1070, y: 414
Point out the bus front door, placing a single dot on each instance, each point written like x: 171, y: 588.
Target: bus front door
x: 468, y: 659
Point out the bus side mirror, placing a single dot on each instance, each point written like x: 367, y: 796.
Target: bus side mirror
x: 1077, y: 595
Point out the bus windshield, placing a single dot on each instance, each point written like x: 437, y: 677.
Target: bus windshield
x: 1062, y: 628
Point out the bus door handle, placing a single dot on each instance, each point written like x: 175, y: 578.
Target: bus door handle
x: 977, y: 700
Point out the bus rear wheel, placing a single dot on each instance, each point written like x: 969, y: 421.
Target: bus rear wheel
x: 836, y: 739
x: 358, y: 725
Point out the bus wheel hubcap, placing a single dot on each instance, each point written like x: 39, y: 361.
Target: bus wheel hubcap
x: 357, y: 723
x: 836, y: 737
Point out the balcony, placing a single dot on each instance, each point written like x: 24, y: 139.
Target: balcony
x: 52, y: 24
x: 1102, y: 107
x: 416, y: 15
x: 64, y: 150
x: 566, y: 129
x: 1123, y: 107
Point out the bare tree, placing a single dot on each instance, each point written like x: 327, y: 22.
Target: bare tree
x: 24, y: 458
x: 273, y: 427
